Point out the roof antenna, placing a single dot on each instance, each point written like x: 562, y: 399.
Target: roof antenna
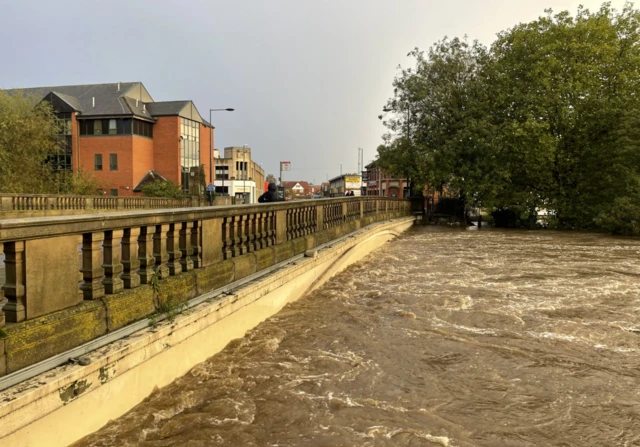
x: 118, y: 85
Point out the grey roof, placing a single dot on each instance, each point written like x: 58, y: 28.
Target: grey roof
x: 142, y: 109
x: 105, y: 100
x: 73, y: 102
x: 167, y: 108
x: 108, y: 99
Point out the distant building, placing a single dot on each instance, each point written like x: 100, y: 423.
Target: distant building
x: 381, y: 183
x: 238, y: 175
x: 119, y: 133
x: 346, y: 183
x: 301, y: 188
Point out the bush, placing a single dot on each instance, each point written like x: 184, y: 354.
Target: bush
x: 161, y: 188
x: 80, y: 183
x: 510, y: 218
x: 623, y: 219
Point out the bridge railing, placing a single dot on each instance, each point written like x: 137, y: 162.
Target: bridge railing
x: 52, y: 263
x: 37, y: 205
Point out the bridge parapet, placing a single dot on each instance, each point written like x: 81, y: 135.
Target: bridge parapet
x: 90, y: 274
x: 40, y: 205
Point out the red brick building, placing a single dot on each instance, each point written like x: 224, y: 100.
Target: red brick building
x: 301, y: 188
x: 381, y: 183
x: 121, y: 135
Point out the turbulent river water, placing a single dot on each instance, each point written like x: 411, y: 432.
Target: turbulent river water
x: 440, y: 338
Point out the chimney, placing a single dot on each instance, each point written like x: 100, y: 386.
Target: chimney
x: 136, y: 102
x: 93, y: 101
x: 118, y: 85
x: 144, y: 108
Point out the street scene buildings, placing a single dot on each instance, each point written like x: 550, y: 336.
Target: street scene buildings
x: 238, y: 175
x: 119, y: 133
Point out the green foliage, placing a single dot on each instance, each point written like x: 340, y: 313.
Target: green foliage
x: 271, y: 179
x: 28, y: 136
x: 548, y: 117
x: 162, y: 188
x: 80, y: 183
x: 623, y: 218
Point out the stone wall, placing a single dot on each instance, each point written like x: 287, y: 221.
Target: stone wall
x: 134, y: 264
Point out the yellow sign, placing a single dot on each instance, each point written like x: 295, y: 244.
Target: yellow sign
x: 352, y: 179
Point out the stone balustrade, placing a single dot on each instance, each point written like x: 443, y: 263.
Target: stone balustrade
x: 58, y: 268
x: 36, y: 205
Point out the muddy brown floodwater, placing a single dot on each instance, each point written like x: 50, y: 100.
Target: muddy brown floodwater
x: 441, y: 338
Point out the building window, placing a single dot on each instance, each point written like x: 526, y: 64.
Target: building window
x: 97, y: 127
x: 222, y: 190
x: 189, y: 148
x: 142, y: 128
x: 113, y: 192
x: 61, y: 160
x: 222, y: 172
x: 97, y: 162
x: 119, y: 126
x: 113, y: 162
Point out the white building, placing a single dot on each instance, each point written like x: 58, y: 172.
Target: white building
x: 342, y: 184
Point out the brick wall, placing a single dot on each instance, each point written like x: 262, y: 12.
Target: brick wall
x: 166, y: 148
x: 122, y: 145
x: 206, y: 148
x: 143, y: 157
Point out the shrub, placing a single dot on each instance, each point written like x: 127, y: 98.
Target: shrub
x: 162, y: 188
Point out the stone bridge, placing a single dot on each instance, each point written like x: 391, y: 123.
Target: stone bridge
x: 74, y: 284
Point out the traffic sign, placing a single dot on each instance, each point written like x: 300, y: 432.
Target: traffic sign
x: 211, y: 187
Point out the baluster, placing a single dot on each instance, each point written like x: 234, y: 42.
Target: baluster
x: 247, y: 233
x: 14, y: 290
x: 259, y: 233
x: 271, y: 234
x: 145, y: 254
x: 173, y: 249
x: 186, y: 248
x: 112, y: 262
x: 130, y: 261
x: 255, y: 235
x: 227, y: 240
x: 92, y: 271
x: 3, y: 301
x: 238, y: 247
x: 160, y: 250
x: 289, y: 235
x: 292, y: 225
x: 196, y: 244
x: 304, y: 220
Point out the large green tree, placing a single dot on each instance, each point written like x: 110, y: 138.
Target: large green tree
x: 565, y: 99
x: 29, y: 136
x: 547, y: 117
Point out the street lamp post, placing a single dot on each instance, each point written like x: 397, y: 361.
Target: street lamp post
x: 211, y: 159
x: 244, y: 168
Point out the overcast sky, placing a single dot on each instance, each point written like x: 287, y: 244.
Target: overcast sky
x: 307, y: 78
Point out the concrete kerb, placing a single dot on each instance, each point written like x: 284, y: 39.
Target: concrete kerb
x: 47, y: 390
